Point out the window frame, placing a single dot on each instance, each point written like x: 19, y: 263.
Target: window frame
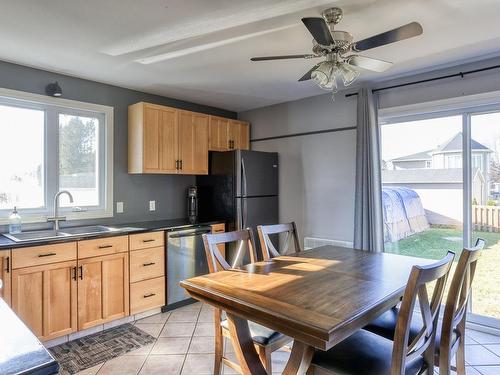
x: 52, y: 108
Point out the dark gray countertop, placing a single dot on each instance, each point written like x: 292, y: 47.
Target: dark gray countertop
x: 139, y: 227
x: 21, y: 351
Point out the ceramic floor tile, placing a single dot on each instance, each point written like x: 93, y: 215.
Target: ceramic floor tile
x: 198, y: 364
x: 192, y: 306
x: 228, y: 346
x: 157, y: 318
x: 163, y: 365
x: 171, y: 345
x: 483, y: 338
x: 470, y: 371
x: 204, y: 329
x: 477, y: 355
x: 201, y: 344
x: 495, y: 349
x: 279, y: 360
x: 90, y: 371
x: 178, y: 329
x: 488, y: 370
x: 152, y: 329
x: 145, y: 350
x: 184, y: 316
x: 228, y: 370
x: 206, y: 316
x: 123, y: 365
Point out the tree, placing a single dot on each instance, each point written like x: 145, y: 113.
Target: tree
x: 77, y: 141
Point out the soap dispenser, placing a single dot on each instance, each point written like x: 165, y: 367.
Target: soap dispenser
x: 14, y: 222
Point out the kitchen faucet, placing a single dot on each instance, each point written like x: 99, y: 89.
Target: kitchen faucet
x: 56, y: 218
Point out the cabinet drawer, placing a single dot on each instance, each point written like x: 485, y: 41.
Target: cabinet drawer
x: 102, y: 246
x: 146, y: 240
x: 218, y: 228
x: 146, y: 295
x: 147, y: 264
x: 38, y: 255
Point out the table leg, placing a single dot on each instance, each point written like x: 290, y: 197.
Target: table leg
x: 300, y: 359
x: 244, y: 348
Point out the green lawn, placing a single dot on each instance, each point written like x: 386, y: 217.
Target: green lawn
x: 435, y: 242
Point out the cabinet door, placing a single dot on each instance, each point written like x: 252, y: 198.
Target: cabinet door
x: 5, y: 274
x: 233, y: 134
x: 218, y: 136
x: 103, y: 289
x: 45, y: 298
x: 169, y: 140
x: 152, y: 139
x: 193, y: 143
x: 244, y: 139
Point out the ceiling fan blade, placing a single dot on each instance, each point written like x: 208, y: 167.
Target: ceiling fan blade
x: 319, y: 30
x: 307, y: 76
x: 369, y: 63
x: 284, y: 57
x: 404, y: 32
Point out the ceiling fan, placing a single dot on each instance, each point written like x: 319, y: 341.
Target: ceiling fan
x: 340, y: 51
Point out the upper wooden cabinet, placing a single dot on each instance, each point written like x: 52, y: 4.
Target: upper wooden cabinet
x: 226, y: 134
x: 173, y: 141
x: 193, y: 143
x: 166, y: 140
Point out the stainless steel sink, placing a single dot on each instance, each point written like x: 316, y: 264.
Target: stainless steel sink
x: 91, y: 229
x: 36, y: 235
x: 66, y: 232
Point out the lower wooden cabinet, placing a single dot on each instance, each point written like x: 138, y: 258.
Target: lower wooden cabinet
x: 45, y: 298
x: 147, y: 295
x: 103, y: 289
x: 5, y: 275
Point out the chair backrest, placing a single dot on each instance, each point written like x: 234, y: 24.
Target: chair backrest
x: 216, y: 262
x: 455, y: 309
x: 423, y: 343
x: 268, y: 248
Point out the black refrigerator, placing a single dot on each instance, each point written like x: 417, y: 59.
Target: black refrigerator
x: 241, y: 189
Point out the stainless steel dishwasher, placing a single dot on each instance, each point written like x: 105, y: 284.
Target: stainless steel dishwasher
x: 185, y: 258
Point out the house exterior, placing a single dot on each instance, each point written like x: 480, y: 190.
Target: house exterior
x: 437, y: 177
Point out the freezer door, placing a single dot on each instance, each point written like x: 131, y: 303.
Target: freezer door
x: 256, y: 173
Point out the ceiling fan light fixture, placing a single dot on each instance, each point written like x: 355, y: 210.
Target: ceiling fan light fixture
x: 348, y: 73
x: 323, y: 75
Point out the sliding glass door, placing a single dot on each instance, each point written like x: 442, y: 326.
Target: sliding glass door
x: 441, y: 191
x: 485, y: 213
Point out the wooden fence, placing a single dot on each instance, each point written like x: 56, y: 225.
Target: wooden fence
x: 486, y: 218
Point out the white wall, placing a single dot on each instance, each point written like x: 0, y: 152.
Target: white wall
x: 317, y: 172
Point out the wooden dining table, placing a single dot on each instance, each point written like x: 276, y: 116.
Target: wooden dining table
x: 317, y: 297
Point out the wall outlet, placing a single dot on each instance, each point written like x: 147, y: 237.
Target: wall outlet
x: 152, y: 205
x: 119, y: 207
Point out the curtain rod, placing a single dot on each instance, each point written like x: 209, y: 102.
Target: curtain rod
x: 459, y: 74
x: 305, y: 133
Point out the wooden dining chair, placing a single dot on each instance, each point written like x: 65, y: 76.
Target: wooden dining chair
x: 289, y: 230
x: 450, y: 337
x: 366, y: 353
x: 265, y: 340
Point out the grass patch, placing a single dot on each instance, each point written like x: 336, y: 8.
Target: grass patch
x: 435, y: 242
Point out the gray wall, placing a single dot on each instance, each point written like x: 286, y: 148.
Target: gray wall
x: 317, y: 172
x: 134, y: 190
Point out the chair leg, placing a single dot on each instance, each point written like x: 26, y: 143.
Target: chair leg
x: 265, y: 357
x: 460, y: 357
x: 219, y: 350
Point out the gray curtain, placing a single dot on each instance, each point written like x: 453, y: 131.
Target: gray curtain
x: 368, y: 219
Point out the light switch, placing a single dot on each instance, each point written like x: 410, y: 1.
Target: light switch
x: 152, y: 205
x: 119, y: 207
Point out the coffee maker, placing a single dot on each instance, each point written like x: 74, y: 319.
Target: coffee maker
x: 192, y: 204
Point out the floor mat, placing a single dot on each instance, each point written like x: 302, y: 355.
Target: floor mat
x: 88, y: 351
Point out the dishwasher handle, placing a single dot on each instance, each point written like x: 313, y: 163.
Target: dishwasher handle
x: 190, y: 233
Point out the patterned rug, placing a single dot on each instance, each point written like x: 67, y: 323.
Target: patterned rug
x: 88, y: 351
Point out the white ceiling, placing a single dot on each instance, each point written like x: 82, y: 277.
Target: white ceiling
x: 205, y: 45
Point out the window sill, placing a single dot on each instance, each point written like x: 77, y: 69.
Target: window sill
x: 70, y: 216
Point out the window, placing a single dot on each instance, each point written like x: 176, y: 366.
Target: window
x: 454, y: 161
x: 428, y: 164
x: 476, y: 162
x: 48, y: 145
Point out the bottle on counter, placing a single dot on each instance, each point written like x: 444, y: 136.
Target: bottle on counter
x: 14, y: 222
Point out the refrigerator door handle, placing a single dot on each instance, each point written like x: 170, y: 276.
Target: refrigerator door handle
x: 244, y: 212
x: 244, y: 194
